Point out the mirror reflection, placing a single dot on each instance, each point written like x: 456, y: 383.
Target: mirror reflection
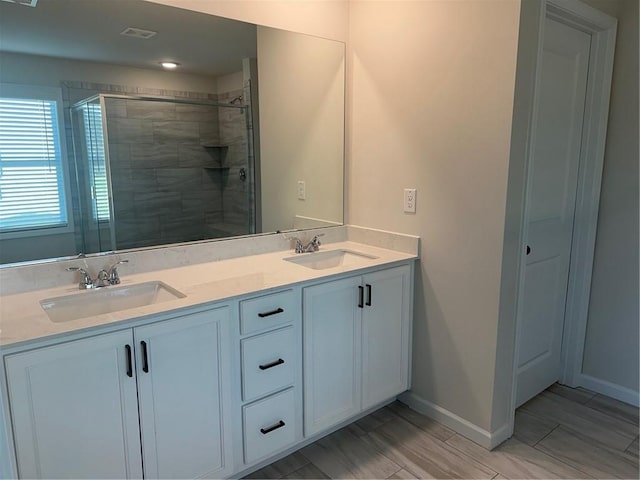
x: 102, y: 148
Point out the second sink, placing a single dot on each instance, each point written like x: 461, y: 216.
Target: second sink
x: 330, y: 259
x: 107, y: 300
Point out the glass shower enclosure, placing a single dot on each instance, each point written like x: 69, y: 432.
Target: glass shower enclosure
x: 154, y: 171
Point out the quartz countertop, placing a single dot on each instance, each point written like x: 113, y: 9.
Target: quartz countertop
x: 22, y: 319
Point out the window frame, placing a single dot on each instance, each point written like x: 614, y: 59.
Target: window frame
x: 36, y: 92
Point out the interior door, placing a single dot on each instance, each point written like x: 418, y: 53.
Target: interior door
x: 550, y: 205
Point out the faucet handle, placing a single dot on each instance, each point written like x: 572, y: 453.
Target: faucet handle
x: 299, y: 246
x: 86, y: 281
x: 114, y: 278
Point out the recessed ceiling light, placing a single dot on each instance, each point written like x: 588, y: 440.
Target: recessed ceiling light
x: 169, y: 65
x: 138, y: 33
x: 26, y: 3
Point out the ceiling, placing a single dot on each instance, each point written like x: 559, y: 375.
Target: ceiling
x: 90, y: 30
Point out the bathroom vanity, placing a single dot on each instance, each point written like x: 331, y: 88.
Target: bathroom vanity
x: 261, y: 355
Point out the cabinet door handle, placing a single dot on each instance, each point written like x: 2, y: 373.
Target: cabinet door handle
x: 271, y: 365
x: 145, y: 357
x: 270, y: 429
x: 127, y: 349
x: 272, y: 312
x: 368, y: 304
x: 528, y: 249
x: 360, y: 297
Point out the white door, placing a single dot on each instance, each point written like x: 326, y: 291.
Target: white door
x: 332, y: 341
x: 184, y: 387
x: 74, y: 409
x: 385, y: 335
x: 550, y: 205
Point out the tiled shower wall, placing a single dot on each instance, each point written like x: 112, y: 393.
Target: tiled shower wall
x: 164, y: 187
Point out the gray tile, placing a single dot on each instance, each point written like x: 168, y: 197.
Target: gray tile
x: 309, y: 471
x: 127, y: 130
x: 197, y: 113
x: 633, y: 448
x: 514, y: 459
x: 530, y: 429
x: 589, y: 456
x: 614, y: 408
x: 433, y: 428
x: 178, y: 179
x: 403, y: 474
x: 175, y: 132
x: 153, y: 155
x: 196, y: 156
x: 159, y: 204
x: 208, y: 133
x: 151, y: 110
x: 608, y: 430
x: 344, y: 455
x: 423, y: 455
x: 580, y: 395
x: 370, y: 422
x: 282, y: 467
x: 116, y: 107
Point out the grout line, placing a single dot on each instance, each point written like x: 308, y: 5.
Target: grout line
x: 396, y: 471
x: 631, y: 443
x: 466, y: 455
x: 549, y: 433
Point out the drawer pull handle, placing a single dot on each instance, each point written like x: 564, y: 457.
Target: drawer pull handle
x: 145, y: 357
x: 368, y: 303
x: 270, y: 429
x: 272, y: 312
x: 271, y: 365
x: 129, y: 361
x: 360, y: 297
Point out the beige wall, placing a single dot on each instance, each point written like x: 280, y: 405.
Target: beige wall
x: 611, y: 347
x: 431, y: 99
x: 300, y: 77
x: 323, y: 18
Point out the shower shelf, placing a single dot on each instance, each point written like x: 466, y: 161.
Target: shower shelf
x: 211, y: 145
x: 216, y: 168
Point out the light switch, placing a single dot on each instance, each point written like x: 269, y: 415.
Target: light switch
x: 410, y: 200
x: 302, y: 190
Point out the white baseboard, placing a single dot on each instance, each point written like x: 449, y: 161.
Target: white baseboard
x: 609, y: 389
x: 482, y: 437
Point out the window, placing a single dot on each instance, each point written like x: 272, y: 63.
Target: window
x: 32, y: 174
x: 94, y: 141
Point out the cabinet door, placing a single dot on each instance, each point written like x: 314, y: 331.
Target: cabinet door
x: 385, y: 335
x: 74, y: 409
x: 184, y: 394
x: 332, y: 337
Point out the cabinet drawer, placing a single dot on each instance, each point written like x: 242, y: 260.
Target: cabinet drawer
x: 266, y: 312
x: 269, y: 425
x: 268, y: 362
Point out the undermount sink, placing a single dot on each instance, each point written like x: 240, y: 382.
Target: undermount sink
x: 330, y: 259
x: 107, y: 300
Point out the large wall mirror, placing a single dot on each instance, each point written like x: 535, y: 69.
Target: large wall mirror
x: 102, y: 148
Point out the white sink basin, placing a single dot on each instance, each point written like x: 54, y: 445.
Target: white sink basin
x: 107, y: 300
x: 330, y: 259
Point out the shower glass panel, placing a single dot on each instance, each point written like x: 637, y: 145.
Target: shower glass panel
x: 159, y: 171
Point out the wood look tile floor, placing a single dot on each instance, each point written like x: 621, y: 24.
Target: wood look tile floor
x: 561, y: 433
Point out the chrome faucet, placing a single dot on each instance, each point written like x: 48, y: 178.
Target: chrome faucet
x: 312, y: 246
x: 104, y: 279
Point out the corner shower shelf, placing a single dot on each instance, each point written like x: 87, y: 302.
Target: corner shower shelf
x: 216, y: 168
x: 212, y: 145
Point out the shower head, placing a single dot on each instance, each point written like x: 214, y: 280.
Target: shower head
x: 236, y: 100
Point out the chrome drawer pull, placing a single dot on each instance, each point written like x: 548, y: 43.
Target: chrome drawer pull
x: 271, y: 365
x: 272, y: 312
x: 270, y: 429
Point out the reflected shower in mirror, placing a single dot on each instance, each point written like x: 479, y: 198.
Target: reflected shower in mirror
x: 129, y: 155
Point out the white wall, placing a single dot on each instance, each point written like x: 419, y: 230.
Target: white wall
x: 300, y: 77
x: 431, y: 100
x: 323, y: 18
x: 611, y: 347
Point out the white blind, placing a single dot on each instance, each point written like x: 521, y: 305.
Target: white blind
x: 97, y: 166
x: 31, y: 181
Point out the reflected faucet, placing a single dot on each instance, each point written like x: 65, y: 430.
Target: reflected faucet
x: 104, y: 279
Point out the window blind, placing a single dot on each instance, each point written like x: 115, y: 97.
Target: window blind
x: 31, y: 178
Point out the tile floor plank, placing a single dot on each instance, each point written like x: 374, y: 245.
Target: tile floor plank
x: 425, y: 456
x: 633, y: 448
x: 515, y: 459
x: 345, y: 455
x: 426, y: 424
x: 282, y: 467
x: 589, y: 456
x: 309, y: 471
x: 580, y: 395
x: 587, y: 421
x: 403, y: 474
x: 530, y: 429
x: 371, y: 422
x: 614, y: 408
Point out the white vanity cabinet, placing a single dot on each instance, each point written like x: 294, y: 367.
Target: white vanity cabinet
x: 356, y: 345
x: 74, y: 406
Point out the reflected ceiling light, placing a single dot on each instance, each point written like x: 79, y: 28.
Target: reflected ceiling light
x: 169, y: 65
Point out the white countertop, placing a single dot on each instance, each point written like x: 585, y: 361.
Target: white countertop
x: 22, y: 319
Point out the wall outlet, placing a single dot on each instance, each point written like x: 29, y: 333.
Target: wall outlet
x: 302, y: 190
x: 410, y: 200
